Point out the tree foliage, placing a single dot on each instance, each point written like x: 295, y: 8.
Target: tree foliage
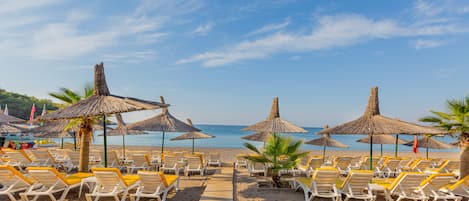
x: 20, y: 105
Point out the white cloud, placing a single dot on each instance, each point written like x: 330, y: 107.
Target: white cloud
x: 131, y: 57
x: 330, y: 32
x: 269, y: 28
x: 7, y: 6
x: 425, y: 8
x: 203, y: 29
x: 422, y: 44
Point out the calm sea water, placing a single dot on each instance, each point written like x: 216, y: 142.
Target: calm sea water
x: 227, y: 136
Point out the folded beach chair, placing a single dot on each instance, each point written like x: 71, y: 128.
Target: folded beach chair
x: 406, y: 186
x: 214, y: 159
x: 435, y: 187
x: 18, y: 159
x: 461, y: 187
x: 389, y: 168
x: 322, y: 184
x: 52, y: 182
x: 12, y: 181
x: 170, y: 163
x: 356, y: 185
x: 111, y: 183
x: 139, y: 162
x: 257, y: 168
x: 155, y: 185
x: 194, y: 164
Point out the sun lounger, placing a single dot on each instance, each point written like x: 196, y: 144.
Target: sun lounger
x: 194, y: 164
x: 170, y: 163
x: 433, y: 187
x: 356, y: 183
x: 111, y: 183
x: 241, y: 161
x: 257, y: 168
x: 365, y: 165
x: 461, y: 187
x: 406, y: 186
x: 342, y: 164
x: 155, y: 185
x: 18, y: 159
x: 420, y: 165
x: 322, y: 184
x: 214, y: 159
x: 72, y: 161
x: 42, y: 157
x: 313, y: 164
x: 139, y: 162
x: 13, y: 181
x: 52, y: 182
x: 389, y: 168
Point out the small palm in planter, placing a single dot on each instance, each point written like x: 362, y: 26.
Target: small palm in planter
x: 279, y: 153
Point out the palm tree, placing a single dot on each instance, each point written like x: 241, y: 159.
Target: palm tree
x: 279, y: 152
x: 455, y: 121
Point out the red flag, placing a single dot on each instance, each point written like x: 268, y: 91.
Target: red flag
x: 416, y: 145
x: 33, y: 111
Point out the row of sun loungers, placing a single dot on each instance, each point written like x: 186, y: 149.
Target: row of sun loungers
x: 109, y: 182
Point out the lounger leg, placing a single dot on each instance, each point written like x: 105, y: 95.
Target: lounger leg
x: 12, y: 198
x: 64, y: 194
x: 23, y: 197
x: 52, y: 198
x: 88, y: 197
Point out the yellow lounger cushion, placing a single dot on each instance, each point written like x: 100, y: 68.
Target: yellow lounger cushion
x: 70, y: 180
x: 17, y: 173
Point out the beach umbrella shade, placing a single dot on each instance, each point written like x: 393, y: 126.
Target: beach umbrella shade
x: 257, y: 136
x: 193, y: 135
x: 102, y: 103
x: 326, y: 141
x: 274, y: 124
x: 373, y: 123
x: 382, y: 139
x: 164, y: 122
x: 428, y: 142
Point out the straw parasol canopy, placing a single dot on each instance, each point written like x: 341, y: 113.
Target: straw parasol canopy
x: 9, y: 128
x: 326, y: 141
x: 373, y: 123
x: 164, y: 122
x: 102, y: 103
x: 382, y: 139
x: 274, y: 124
x: 428, y: 142
x: 258, y: 136
x: 54, y: 129
x: 192, y: 135
x: 9, y: 119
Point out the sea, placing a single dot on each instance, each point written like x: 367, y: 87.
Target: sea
x: 229, y: 136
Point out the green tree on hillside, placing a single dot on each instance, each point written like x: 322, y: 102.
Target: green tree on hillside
x: 20, y: 105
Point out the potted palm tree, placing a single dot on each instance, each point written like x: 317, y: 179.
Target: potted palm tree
x: 456, y: 121
x: 278, y: 153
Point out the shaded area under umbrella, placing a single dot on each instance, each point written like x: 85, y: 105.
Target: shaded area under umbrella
x: 382, y: 139
x: 192, y: 135
x: 164, y: 122
x: 326, y: 141
x: 428, y: 142
x: 102, y: 103
x: 373, y: 123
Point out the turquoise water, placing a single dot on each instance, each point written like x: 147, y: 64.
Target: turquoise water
x: 230, y: 137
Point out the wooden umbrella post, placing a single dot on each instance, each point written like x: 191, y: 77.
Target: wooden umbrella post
x: 105, y: 140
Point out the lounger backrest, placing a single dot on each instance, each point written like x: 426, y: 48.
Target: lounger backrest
x: 393, y: 164
x: 140, y: 160
x: 342, y: 162
x: 194, y: 162
x: 452, y: 166
x: 18, y: 157
x: 9, y: 176
x: 258, y: 166
x: 43, y: 156
x: 95, y: 155
x: 315, y: 163
x: 407, y: 182
x: 357, y: 181
x: 73, y: 157
x: 47, y: 176
x: 108, y: 179
x: 436, y: 182
x: 366, y: 163
x: 422, y: 164
x: 151, y: 181
x: 170, y: 161
x: 214, y: 156
x: 325, y: 178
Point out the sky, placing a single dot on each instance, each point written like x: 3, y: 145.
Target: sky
x: 222, y: 62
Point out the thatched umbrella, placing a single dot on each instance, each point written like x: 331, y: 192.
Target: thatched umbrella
x: 274, y: 124
x: 382, y: 139
x: 428, y: 142
x: 102, y: 103
x: 9, y: 128
x: 326, y: 141
x: 192, y: 135
x: 9, y: 119
x: 373, y: 123
x: 164, y: 122
x: 257, y: 136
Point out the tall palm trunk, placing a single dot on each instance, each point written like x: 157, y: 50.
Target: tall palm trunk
x: 464, y: 142
x: 85, y: 133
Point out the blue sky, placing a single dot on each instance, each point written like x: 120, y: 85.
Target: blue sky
x: 223, y: 61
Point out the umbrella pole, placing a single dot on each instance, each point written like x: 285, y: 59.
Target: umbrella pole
x: 193, y: 145
x: 74, y: 140
x: 123, y: 145
x: 381, y: 150
x: 395, y: 149
x: 162, y: 145
x: 105, y: 140
x: 324, y: 154
x: 371, y: 152
x: 62, y: 143
x: 427, y: 147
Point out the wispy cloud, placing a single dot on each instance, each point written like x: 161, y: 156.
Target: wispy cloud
x: 7, y: 7
x: 423, y: 44
x: 330, y: 32
x: 203, y: 29
x: 425, y: 8
x: 269, y: 28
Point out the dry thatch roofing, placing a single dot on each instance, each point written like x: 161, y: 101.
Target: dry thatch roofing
x: 102, y: 102
x: 122, y: 129
x: 7, y: 118
x: 193, y: 134
x: 373, y: 123
x: 9, y: 128
x: 382, y: 139
x: 327, y: 141
x: 429, y: 142
x: 56, y: 129
x: 162, y: 122
x: 258, y: 136
x: 273, y: 124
